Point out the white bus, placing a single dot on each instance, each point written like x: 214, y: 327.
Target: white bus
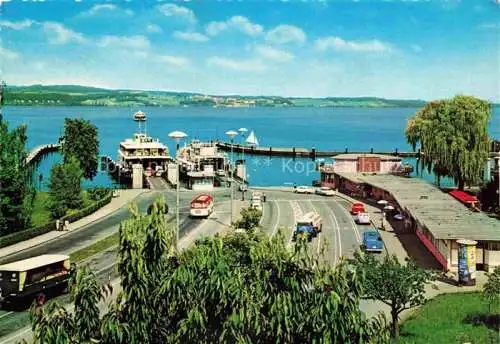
x: 202, y: 206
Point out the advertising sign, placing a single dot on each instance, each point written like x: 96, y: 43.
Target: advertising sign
x: 466, y: 262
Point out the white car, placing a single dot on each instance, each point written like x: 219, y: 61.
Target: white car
x: 256, y: 204
x: 362, y: 219
x: 304, y: 189
x: 325, y: 191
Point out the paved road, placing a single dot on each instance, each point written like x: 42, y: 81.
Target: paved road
x: 340, y: 235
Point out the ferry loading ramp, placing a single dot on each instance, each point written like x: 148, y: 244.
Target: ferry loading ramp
x: 441, y: 214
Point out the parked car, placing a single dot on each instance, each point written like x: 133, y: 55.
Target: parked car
x: 372, y: 242
x: 362, y: 219
x: 256, y: 204
x: 325, y: 191
x: 357, y: 208
x: 304, y: 189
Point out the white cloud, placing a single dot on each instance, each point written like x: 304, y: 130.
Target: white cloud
x: 105, y: 7
x: 59, y: 34
x: 283, y: 34
x: 338, y: 43
x: 177, y: 61
x: 153, y: 28
x: 132, y: 42
x: 172, y: 10
x: 490, y: 26
x: 8, y: 54
x: 240, y: 23
x: 190, y: 36
x: 240, y: 65
x: 273, y: 53
x: 416, y: 48
x: 20, y: 25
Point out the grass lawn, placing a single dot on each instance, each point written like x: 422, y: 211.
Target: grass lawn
x: 452, y: 318
x: 41, y: 215
x: 96, y: 247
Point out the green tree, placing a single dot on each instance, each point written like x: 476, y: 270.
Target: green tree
x: 65, y: 187
x: 16, y: 187
x: 491, y: 289
x: 453, y: 135
x: 250, y: 218
x: 233, y: 288
x: 400, y: 286
x: 54, y: 324
x: 81, y: 141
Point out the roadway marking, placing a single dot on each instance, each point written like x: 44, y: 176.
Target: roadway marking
x: 297, y: 212
x: 8, y: 313
x: 332, y: 217
x: 319, y: 234
x: 275, y: 228
x: 354, y: 226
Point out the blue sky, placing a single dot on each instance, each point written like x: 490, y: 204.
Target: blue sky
x: 392, y: 49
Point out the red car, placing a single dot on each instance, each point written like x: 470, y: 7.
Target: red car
x: 357, y: 208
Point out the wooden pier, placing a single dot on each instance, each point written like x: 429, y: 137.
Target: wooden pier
x: 304, y: 152
x: 312, y: 153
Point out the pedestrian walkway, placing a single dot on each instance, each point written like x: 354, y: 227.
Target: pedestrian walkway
x: 124, y: 198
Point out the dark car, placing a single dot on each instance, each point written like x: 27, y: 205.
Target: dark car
x: 372, y: 242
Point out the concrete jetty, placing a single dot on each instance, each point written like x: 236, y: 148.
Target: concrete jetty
x: 39, y: 151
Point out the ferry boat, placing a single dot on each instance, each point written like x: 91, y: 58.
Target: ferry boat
x: 143, y: 149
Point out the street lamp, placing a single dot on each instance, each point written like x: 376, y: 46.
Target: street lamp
x: 232, y: 134
x: 177, y: 136
x: 243, y: 132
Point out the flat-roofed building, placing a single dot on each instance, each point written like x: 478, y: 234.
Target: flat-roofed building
x: 434, y: 216
x: 359, y: 163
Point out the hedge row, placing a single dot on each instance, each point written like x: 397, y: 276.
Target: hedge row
x: 26, y: 234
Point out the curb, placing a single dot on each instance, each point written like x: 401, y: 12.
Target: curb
x: 71, y: 231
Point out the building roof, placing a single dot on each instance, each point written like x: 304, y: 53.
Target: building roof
x: 463, y: 196
x: 33, y: 262
x: 441, y: 214
x: 367, y: 155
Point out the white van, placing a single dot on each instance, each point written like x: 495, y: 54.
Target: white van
x: 312, y: 219
x: 362, y: 219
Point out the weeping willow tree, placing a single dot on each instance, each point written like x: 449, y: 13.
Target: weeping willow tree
x: 234, y: 288
x: 453, y: 137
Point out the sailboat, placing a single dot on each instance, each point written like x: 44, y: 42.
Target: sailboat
x: 252, y: 139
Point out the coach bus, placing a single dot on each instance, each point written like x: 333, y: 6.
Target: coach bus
x: 202, y: 206
x: 34, y: 277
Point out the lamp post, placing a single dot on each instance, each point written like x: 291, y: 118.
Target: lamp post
x: 243, y: 132
x: 232, y: 134
x: 177, y: 136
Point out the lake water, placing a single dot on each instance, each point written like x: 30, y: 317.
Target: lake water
x: 323, y: 128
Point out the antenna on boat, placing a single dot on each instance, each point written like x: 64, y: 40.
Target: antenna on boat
x: 140, y: 117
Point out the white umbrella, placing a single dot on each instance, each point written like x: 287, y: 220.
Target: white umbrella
x: 388, y: 207
x: 382, y: 201
x: 398, y: 216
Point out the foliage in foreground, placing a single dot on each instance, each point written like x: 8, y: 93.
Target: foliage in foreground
x: 491, y: 290
x: 16, y: 190
x: 250, y: 218
x: 238, y: 288
x: 453, y: 134
x: 400, y: 286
